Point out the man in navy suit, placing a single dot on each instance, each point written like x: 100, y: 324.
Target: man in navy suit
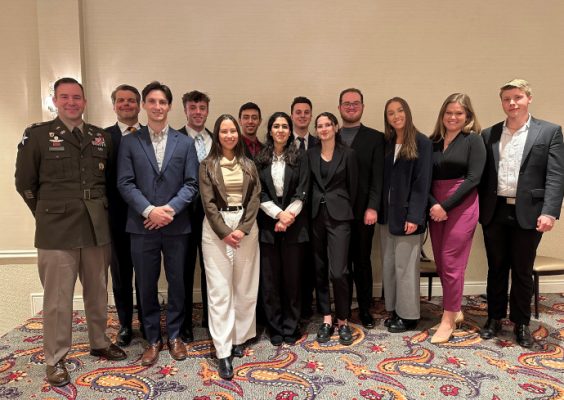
x: 520, y: 198
x: 368, y: 145
x: 126, y: 102
x: 157, y: 177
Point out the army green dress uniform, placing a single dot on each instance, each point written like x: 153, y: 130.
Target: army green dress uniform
x: 61, y: 175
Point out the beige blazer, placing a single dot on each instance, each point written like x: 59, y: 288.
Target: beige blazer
x: 214, y: 198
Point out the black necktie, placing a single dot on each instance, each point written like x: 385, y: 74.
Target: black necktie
x: 78, y: 134
x: 302, y: 143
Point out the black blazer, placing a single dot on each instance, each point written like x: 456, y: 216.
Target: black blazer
x: 406, y: 187
x: 185, y: 131
x: 540, y: 187
x: 368, y: 145
x: 117, y: 207
x: 340, y: 191
x: 296, y: 185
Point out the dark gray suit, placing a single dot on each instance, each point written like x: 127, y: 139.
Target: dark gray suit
x: 509, y: 230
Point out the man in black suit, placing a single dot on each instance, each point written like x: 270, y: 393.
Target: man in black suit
x: 196, y: 107
x: 368, y: 145
x: 125, y: 100
x: 520, y: 198
x: 300, y: 111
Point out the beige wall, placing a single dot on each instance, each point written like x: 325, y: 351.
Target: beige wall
x: 270, y: 52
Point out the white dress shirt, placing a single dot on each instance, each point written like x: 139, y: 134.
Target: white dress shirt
x: 158, y: 139
x: 511, y: 147
x: 207, y: 137
x: 124, y: 127
x: 277, y: 169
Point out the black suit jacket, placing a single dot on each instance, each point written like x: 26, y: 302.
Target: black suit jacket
x: 296, y: 186
x: 406, y: 187
x: 368, y: 145
x: 540, y: 187
x: 184, y: 131
x: 117, y: 207
x: 339, y: 193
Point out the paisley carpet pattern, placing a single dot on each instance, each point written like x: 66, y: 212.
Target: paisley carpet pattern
x: 378, y: 365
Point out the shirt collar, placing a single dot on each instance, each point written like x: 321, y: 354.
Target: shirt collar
x: 193, y: 133
x: 521, y: 129
x: 164, y: 132
x: 123, y: 127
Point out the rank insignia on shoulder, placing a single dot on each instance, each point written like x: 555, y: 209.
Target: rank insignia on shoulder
x: 24, y: 138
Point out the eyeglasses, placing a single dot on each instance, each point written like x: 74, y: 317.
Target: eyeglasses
x: 355, y: 104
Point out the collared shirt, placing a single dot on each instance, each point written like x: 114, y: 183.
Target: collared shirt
x: 158, y: 139
x: 207, y: 137
x: 511, y: 147
x: 297, y: 141
x: 124, y: 127
x: 278, y: 168
x: 253, y: 146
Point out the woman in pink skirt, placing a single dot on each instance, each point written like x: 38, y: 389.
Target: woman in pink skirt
x: 459, y: 156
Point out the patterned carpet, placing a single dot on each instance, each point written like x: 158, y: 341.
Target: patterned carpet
x: 378, y: 365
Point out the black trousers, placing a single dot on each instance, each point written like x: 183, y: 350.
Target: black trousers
x: 360, y: 264
x: 331, y: 247
x: 510, y: 249
x: 308, y: 279
x: 194, y: 247
x: 121, y: 268
x: 280, y: 271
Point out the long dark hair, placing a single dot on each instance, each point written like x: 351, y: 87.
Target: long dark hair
x: 216, y: 152
x: 408, y: 150
x: 290, y: 154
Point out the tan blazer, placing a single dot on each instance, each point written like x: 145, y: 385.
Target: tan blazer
x: 214, y: 198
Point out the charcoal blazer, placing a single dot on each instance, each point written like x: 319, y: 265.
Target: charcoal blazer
x: 296, y: 187
x: 406, y: 187
x: 540, y: 187
x: 368, y: 145
x: 141, y: 183
x: 340, y: 189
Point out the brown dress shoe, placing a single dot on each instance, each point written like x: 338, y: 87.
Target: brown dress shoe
x: 57, y: 375
x: 151, y: 354
x: 112, y: 352
x: 177, y: 349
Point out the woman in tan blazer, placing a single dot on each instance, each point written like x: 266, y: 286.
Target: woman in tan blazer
x: 230, y: 190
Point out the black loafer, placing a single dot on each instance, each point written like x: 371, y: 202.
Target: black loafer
x: 187, y: 335
x: 367, y: 320
x: 276, y: 340
x: 402, y: 325
x: 57, y: 375
x: 324, y: 333
x: 388, y: 321
x: 238, y: 350
x: 124, y: 336
x: 490, y: 329
x: 112, y: 352
x: 523, y: 335
x: 345, y: 335
x: 225, y: 368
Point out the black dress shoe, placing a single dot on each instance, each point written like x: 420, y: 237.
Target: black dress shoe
x: 57, y: 375
x: 276, y: 340
x: 367, y: 320
x: 124, y: 336
x: 388, y: 321
x: 292, y: 339
x: 345, y: 335
x: 112, y: 352
x: 523, y: 335
x: 490, y: 329
x: 402, y: 325
x: 324, y: 333
x: 225, y: 368
x: 187, y: 335
x: 238, y: 350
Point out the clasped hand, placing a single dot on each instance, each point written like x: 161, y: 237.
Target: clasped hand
x: 159, y: 217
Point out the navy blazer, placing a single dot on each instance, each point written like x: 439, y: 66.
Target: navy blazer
x: 540, y: 187
x: 368, y: 145
x: 141, y: 184
x: 339, y: 193
x: 296, y: 186
x: 406, y: 187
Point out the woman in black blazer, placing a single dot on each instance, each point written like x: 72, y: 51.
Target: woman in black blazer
x: 402, y: 219
x: 334, y: 172
x: 284, y: 176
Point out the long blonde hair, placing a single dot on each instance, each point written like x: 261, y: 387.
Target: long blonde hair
x: 472, y: 124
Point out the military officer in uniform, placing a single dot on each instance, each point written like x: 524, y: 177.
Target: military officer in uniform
x: 61, y: 174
